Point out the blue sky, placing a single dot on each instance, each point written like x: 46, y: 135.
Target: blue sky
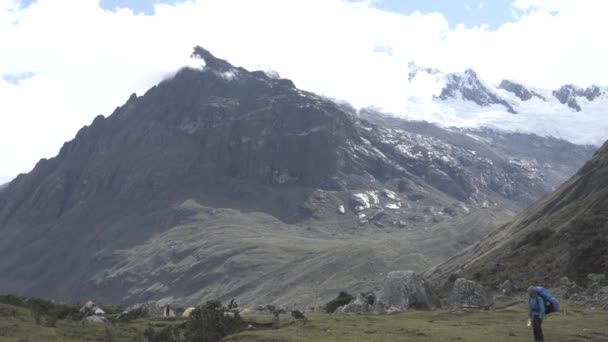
x: 470, y: 12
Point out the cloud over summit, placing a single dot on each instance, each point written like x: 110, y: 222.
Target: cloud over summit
x: 86, y: 61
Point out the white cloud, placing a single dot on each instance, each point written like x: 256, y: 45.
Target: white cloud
x: 87, y: 61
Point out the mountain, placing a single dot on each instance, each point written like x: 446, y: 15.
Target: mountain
x: 466, y: 100
x: 223, y: 182
x: 563, y: 234
x: 468, y: 87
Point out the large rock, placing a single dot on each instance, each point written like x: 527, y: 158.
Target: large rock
x: 362, y: 303
x: 89, y: 308
x: 469, y: 294
x: 404, y: 290
x: 143, y: 310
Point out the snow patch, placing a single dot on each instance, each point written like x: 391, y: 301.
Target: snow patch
x: 393, y: 205
x: 390, y: 194
x: 374, y: 196
x: 364, y: 200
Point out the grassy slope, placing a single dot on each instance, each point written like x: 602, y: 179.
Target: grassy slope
x: 503, y: 324
x: 17, y: 324
x: 566, y: 232
x: 224, y: 254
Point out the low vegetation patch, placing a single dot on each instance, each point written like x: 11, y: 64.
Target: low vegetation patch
x: 342, y: 299
x: 213, y: 322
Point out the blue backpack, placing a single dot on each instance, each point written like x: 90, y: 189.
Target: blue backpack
x: 551, y: 303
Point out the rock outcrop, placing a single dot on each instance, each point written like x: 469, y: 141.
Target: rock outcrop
x: 519, y: 90
x: 362, y: 303
x: 469, y: 294
x: 565, y: 231
x: 469, y: 87
x: 143, y: 310
x: 405, y: 290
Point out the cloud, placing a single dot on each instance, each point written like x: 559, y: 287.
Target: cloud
x: 86, y: 61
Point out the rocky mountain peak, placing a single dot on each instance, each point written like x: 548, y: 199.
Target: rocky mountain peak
x: 592, y: 92
x: 519, y: 90
x: 567, y: 94
x: 570, y: 94
x: 414, y: 69
x: 469, y: 86
x: 210, y: 60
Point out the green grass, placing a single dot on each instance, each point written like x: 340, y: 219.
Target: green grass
x: 18, y: 325
x: 506, y: 323
x: 502, y: 324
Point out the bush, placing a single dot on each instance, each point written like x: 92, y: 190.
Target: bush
x: 211, y: 322
x: 208, y: 323
x: 342, y: 299
x: 12, y: 300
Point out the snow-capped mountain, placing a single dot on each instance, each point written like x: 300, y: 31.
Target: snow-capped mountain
x: 465, y: 100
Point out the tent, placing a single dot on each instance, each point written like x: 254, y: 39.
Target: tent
x: 188, y: 312
x: 168, y: 312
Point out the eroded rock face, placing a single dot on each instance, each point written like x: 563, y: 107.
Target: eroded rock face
x: 519, y: 90
x: 469, y: 294
x: 90, y: 308
x: 358, y: 305
x: 405, y: 290
x: 143, y: 310
x: 567, y: 95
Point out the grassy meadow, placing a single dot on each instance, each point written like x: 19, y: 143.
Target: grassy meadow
x: 506, y: 323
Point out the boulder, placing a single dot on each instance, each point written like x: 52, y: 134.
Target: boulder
x: 469, y: 294
x: 404, y: 290
x: 358, y: 305
x: 149, y: 309
x: 88, y: 309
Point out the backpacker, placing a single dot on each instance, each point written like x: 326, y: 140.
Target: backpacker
x: 551, y: 303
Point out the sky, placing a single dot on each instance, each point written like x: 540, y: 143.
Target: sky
x: 63, y: 62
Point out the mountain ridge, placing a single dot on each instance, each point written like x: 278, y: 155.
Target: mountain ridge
x: 163, y: 198
x: 566, y: 232
x: 464, y: 99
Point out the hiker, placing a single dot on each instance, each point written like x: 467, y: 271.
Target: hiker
x: 536, y: 313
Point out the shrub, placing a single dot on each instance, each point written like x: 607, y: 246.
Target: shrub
x: 211, y: 322
x: 208, y: 323
x: 12, y: 300
x: 342, y: 299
